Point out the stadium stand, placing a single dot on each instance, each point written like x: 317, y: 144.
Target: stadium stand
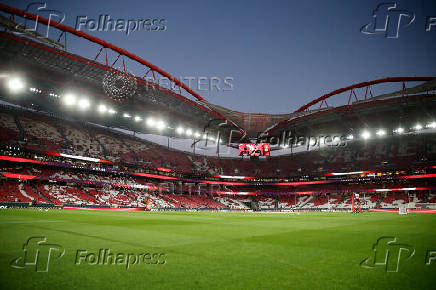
x: 44, y: 138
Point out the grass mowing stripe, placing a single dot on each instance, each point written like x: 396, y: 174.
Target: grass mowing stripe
x: 218, y: 250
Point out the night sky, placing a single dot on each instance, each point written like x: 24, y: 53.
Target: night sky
x: 278, y: 55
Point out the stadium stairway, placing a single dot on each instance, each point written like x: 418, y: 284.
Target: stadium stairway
x: 231, y: 202
x: 379, y: 201
x: 342, y: 201
x: 254, y: 204
x: 87, y: 193
x: 425, y: 198
x: 22, y: 133
x: 305, y: 202
x: 241, y: 204
x: 23, y: 192
x: 91, y: 134
x: 39, y: 193
x: 68, y: 143
x: 42, y: 192
x: 233, y: 166
x: 135, y: 155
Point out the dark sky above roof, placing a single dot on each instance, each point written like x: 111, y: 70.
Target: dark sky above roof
x: 276, y: 55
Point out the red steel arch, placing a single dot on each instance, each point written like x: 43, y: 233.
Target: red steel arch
x: 361, y: 85
x: 322, y: 100
x: 122, y: 52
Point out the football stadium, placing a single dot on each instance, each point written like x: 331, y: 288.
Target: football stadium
x: 117, y: 174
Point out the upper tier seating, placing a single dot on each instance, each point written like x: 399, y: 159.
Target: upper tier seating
x: 44, y: 133
x: 41, y: 132
x: 8, y: 129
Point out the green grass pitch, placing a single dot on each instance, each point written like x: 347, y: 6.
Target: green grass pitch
x: 216, y: 250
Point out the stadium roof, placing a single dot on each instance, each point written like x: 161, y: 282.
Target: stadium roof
x: 53, y: 69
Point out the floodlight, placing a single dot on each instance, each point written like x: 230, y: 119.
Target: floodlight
x: 69, y: 99
x: 15, y: 85
x: 381, y: 132
x: 160, y: 125
x: 366, y: 135
x: 150, y: 122
x: 102, y: 108
x: 83, y: 104
x: 35, y: 90
x: 399, y: 130
x: 431, y: 125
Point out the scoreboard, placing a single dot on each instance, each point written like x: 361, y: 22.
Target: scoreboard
x: 254, y: 149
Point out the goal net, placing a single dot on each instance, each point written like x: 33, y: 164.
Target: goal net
x: 402, y: 210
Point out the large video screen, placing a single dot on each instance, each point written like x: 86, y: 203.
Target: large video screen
x: 251, y: 149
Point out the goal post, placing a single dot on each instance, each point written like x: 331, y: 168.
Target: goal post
x: 355, y: 203
x: 403, y: 210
